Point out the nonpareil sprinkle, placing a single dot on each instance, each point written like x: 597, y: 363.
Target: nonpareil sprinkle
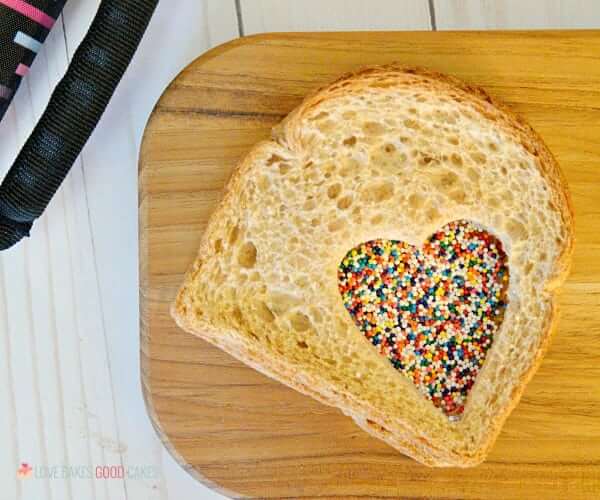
x: 432, y: 311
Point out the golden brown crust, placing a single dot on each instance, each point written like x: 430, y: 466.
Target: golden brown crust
x: 279, y: 368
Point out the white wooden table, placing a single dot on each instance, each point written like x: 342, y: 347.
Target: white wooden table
x: 70, y: 396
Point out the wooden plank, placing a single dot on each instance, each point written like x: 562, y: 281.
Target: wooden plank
x: 249, y: 435
x: 516, y: 14
x: 31, y: 332
x: 69, y: 374
x: 315, y: 15
x: 9, y: 452
x: 108, y: 184
x: 30, y: 426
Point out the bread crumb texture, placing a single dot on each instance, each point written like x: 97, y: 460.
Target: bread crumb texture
x: 385, y: 153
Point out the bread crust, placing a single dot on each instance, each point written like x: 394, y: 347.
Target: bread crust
x: 400, y: 435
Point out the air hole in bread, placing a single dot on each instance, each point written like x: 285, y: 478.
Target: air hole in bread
x: 473, y: 174
x: 411, y: 124
x: 377, y: 191
x: 336, y: 225
x: 284, y: 168
x: 334, y: 190
x: 377, y: 219
x: 263, y: 183
x: 415, y: 200
x: 326, y: 126
x: 458, y: 196
x: 493, y: 202
x: 302, y: 281
x: 309, y: 205
x: 264, y: 313
x: 446, y: 180
x: 507, y: 197
x: 516, y: 230
x: 316, y: 314
x: 237, y: 315
x: 426, y: 159
x: 445, y: 117
x: 233, y: 235
x: 218, y: 245
x: 479, y: 158
x: 432, y: 214
x: 350, y: 141
x: 247, y: 255
x: 302, y: 345
x: 218, y: 276
x: 457, y: 160
x: 349, y: 167
x: 373, y: 128
x: 281, y: 302
x: 274, y: 159
x: 344, y: 202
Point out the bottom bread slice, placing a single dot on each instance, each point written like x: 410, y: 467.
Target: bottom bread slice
x: 384, y: 427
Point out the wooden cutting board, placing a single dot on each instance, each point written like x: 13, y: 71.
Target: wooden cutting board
x: 246, y: 435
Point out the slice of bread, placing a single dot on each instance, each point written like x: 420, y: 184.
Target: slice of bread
x: 390, y: 154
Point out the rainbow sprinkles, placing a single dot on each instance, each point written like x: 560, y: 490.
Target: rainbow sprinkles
x: 432, y: 311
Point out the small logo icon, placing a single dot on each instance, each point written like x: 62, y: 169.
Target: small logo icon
x: 24, y: 471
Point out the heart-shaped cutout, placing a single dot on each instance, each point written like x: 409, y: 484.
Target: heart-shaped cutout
x: 432, y: 311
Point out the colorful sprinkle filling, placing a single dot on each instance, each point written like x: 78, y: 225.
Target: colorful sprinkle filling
x: 431, y: 311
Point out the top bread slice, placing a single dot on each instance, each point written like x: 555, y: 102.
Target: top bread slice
x: 394, y: 153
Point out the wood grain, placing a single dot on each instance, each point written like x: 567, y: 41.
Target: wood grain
x: 105, y: 212
x: 516, y: 14
x: 69, y: 377
x: 248, y: 435
x: 316, y: 15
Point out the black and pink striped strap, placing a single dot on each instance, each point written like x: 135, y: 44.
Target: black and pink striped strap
x: 24, y: 26
x: 74, y: 109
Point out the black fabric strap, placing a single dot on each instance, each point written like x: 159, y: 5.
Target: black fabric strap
x: 74, y: 109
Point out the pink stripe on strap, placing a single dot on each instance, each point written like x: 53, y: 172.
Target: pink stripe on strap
x: 22, y: 70
x: 30, y: 11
